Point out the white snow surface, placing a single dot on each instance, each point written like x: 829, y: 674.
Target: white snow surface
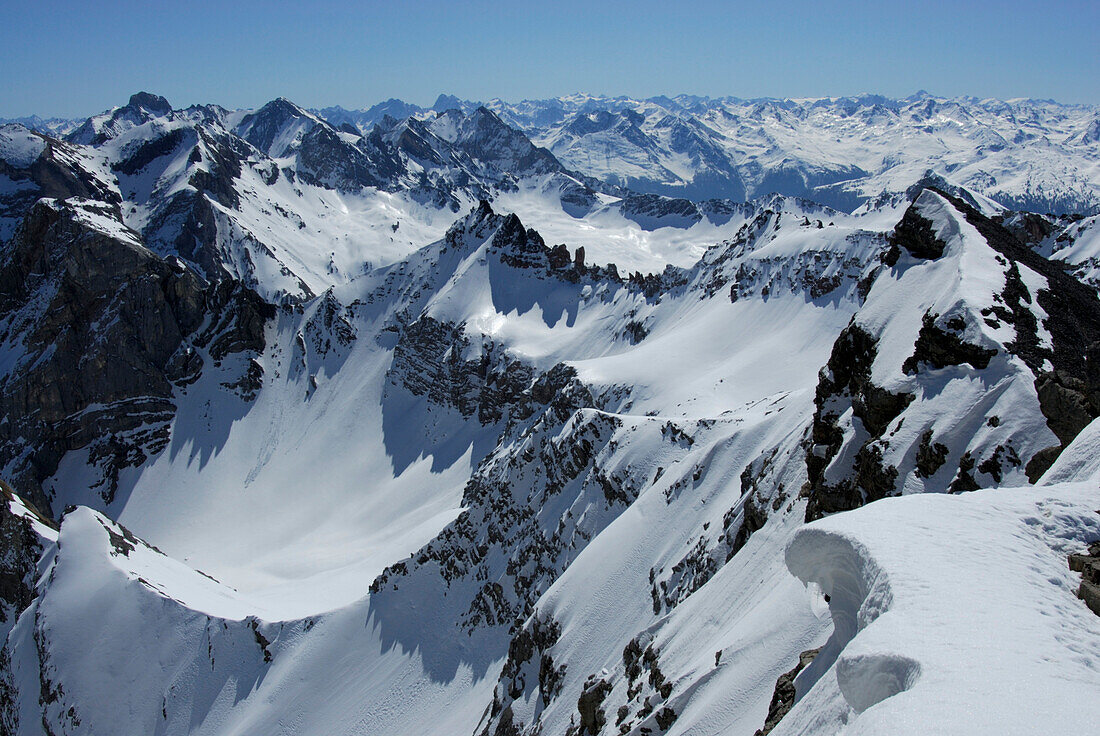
x: 842, y: 151
x: 19, y: 147
x: 952, y: 614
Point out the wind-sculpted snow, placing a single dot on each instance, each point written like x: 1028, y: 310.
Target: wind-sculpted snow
x: 951, y: 614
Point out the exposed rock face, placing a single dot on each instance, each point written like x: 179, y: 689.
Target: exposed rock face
x: 56, y: 172
x: 940, y: 347
x: 518, y: 247
x: 846, y: 381
x: 102, y: 327
x: 783, y: 698
x: 588, y: 705
x: 327, y: 160
x: 930, y: 455
x: 1067, y: 403
x: 1069, y: 395
x: 429, y: 360
x: 20, y: 548
x: 914, y: 233
x: 483, y: 136
x: 1089, y: 567
x: 1028, y: 227
x: 651, y: 208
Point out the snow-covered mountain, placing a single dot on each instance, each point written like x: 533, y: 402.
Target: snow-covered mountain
x: 425, y: 428
x: 1026, y: 154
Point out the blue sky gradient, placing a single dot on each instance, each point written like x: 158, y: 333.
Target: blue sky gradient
x: 74, y: 59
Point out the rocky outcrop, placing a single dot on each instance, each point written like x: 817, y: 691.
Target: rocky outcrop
x: 1089, y: 567
x: 1071, y: 391
x: 438, y: 360
x: 846, y: 382
x: 652, y: 209
x: 930, y: 455
x: 102, y: 327
x: 20, y: 548
x: 1068, y: 403
x: 783, y: 697
x: 327, y: 160
x: 940, y: 347
x: 914, y: 233
x: 530, y: 664
x: 589, y: 707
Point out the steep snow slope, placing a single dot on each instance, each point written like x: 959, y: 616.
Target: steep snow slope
x: 398, y: 461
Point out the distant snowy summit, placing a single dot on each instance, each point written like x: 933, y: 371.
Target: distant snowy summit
x: 1035, y: 155
x: 846, y: 152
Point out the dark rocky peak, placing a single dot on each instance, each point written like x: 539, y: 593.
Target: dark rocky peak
x: 933, y: 180
x: 915, y: 234
x: 264, y: 127
x: 632, y: 116
x: 484, y: 120
x: 486, y: 138
x: 141, y: 108
x: 1069, y: 395
x: 475, y: 226
x: 327, y: 159
x: 518, y: 246
x: 387, y: 124
x: 154, y: 105
x: 447, y: 102
x: 586, y: 123
x: 629, y: 129
x: 414, y: 138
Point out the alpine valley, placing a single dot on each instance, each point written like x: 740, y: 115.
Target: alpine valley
x: 575, y: 416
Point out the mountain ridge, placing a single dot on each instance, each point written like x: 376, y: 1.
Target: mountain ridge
x: 366, y: 430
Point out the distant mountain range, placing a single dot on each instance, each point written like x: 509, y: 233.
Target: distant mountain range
x: 1035, y: 155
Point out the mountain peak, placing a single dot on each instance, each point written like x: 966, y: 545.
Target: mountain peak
x: 150, y: 103
x: 446, y: 102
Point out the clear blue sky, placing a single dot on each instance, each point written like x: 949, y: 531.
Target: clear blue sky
x: 77, y: 58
